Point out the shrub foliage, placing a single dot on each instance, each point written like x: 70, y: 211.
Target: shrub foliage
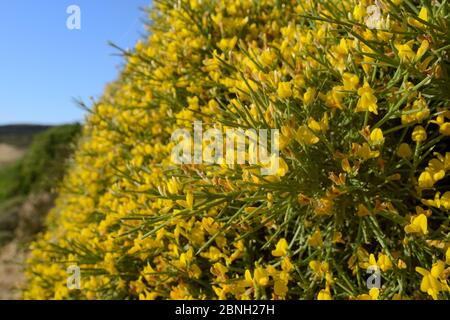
x: 359, y: 92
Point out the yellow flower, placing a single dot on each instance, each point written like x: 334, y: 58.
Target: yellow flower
x: 286, y: 265
x: 373, y: 295
x: 401, y: 264
x: 419, y: 134
x: 316, y: 239
x: 362, y: 211
x: 190, y: 199
x: 281, y: 248
x: 213, y: 254
x: 359, y: 12
x: 364, y: 152
x: 417, y: 112
x: 447, y: 256
x: 319, y: 268
x: 303, y: 200
x: 334, y: 97
x: 438, y: 201
x: 404, y: 151
x: 383, y: 262
x: 227, y: 44
x: 321, y: 126
x: 337, y: 237
x: 418, y: 224
x: 346, y: 166
x: 426, y: 180
x: 445, y: 200
x: 284, y: 90
x: 314, y: 125
x: 350, y: 80
x: 287, y: 131
x: 444, y: 127
x: 422, y: 49
x: 268, y: 57
x: 324, y: 294
x: 423, y: 15
x: 432, y: 283
x: 437, y: 169
x: 323, y: 207
x: 282, y: 167
x: 376, y: 137
x: 109, y: 263
x: 280, y: 287
x: 261, y: 277
x: 173, y: 186
x: 305, y: 136
x: 309, y: 95
x: 405, y: 51
x: 367, y: 100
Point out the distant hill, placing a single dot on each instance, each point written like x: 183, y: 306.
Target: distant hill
x: 20, y: 135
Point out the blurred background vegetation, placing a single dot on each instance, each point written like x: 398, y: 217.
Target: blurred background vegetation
x: 32, y: 162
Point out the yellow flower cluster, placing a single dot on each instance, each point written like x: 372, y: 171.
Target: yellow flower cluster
x: 363, y: 114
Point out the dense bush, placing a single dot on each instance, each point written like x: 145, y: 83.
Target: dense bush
x: 362, y: 105
x: 44, y: 164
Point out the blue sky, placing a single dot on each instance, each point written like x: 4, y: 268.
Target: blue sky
x: 44, y: 65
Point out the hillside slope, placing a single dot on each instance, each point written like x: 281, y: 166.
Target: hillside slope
x: 28, y: 184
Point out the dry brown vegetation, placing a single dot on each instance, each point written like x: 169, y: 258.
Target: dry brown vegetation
x: 12, y: 257
x: 9, y: 154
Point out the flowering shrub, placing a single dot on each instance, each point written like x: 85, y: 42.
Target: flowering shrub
x: 359, y: 91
